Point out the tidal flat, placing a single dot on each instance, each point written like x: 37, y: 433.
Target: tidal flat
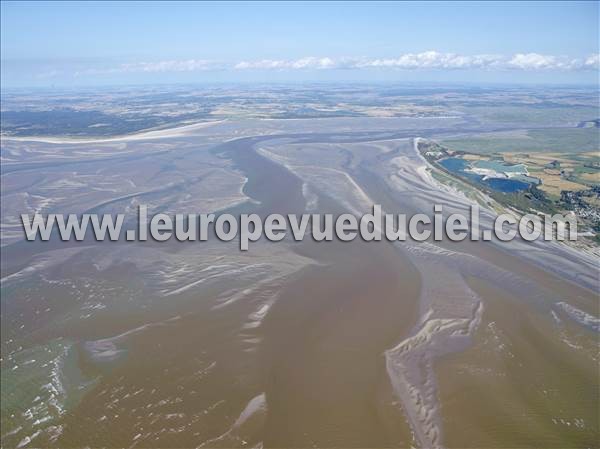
x: 291, y: 344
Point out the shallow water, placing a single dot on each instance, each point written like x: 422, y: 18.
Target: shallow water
x: 458, y: 166
x: 506, y: 185
x: 298, y: 344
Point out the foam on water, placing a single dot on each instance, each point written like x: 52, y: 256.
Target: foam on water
x: 583, y: 318
x: 255, y: 411
x: 312, y: 200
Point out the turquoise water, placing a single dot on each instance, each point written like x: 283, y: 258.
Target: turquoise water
x: 500, y: 166
x: 458, y: 166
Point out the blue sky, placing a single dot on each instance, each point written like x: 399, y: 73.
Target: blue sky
x: 69, y: 43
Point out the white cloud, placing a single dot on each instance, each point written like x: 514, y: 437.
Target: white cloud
x: 428, y: 60
x: 535, y: 61
x: 592, y: 62
x: 433, y: 60
x: 188, y: 65
x: 303, y: 63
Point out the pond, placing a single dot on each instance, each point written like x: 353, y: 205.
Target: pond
x: 458, y: 165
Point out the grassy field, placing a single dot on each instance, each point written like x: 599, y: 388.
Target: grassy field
x: 533, y: 115
x: 575, y: 174
x: 557, y: 140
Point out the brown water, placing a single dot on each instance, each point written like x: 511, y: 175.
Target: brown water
x: 195, y: 369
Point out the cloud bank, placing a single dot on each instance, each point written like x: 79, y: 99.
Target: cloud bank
x: 428, y: 60
x: 432, y: 60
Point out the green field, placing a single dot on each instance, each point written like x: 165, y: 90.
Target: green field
x: 557, y: 140
x: 532, y: 115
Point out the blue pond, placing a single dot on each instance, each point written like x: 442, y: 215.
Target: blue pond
x: 458, y: 166
x: 506, y: 185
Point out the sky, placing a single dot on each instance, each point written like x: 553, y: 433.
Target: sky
x: 69, y: 43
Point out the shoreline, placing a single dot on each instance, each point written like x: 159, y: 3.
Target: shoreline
x: 148, y: 134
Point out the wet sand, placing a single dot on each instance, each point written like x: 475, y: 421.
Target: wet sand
x: 328, y: 344
x: 319, y: 358
x: 521, y: 383
x: 324, y: 338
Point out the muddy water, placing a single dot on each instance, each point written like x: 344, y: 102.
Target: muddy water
x: 324, y: 339
x: 313, y: 373
x: 449, y: 321
x: 523, y: 382
x: 371, y: 345
x: 528, y: 375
